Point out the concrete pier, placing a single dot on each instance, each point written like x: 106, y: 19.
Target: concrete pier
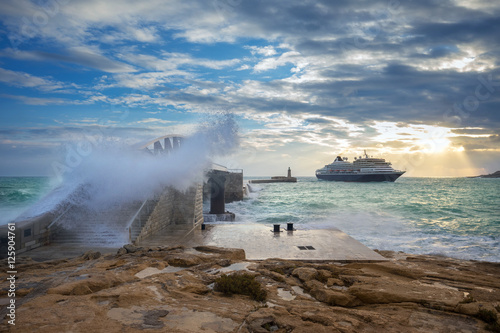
x: 261, y: 242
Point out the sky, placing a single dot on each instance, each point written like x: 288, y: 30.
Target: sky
x: 415, y: 82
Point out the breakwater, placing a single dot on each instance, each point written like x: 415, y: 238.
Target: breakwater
x: 114, y: 225
x: 276, y: 179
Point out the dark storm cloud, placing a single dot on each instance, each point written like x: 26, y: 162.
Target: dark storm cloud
x: 290, y: 17
x: 400, y: 36
x: 372, y: 60
x: 319, y: 121
x: 483, y: 30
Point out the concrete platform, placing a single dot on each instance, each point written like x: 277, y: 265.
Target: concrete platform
x: 258, y: 241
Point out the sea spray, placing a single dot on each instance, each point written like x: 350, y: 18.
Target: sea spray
x: 113, y: 173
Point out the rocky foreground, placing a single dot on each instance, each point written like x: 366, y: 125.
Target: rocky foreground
x: 171, y: 290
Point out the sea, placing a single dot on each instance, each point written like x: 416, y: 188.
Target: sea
x: 454, y: 217
x: 17, y: 194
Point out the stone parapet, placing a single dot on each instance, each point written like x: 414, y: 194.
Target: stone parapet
x: 234, y: 186
x: 174, y: 208
x: 30, y: 234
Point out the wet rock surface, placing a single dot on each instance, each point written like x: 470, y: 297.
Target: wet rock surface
x: 172, y: 290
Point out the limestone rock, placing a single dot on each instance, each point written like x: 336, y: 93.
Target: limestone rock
x: 334, y: 282
x: 379, y: 291
x: 86, y: 286
x: 91, y: 255
x: 323, y: 275
x: 261, y: 321
x: 228, y: 253
x: 305, y: 273
x: 183, y: 259
x: 130, y: 248
x: 196, y: 288
x: 332, y: 297
x: 121, y: 251
x: 405, y: 294
x: 280, y: 320
x: 313, y: 284
x: 472, y: 309
x: 223, y: 262
x: 152, y: 318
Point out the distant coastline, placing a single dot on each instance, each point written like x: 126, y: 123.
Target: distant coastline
x: 491, y: 175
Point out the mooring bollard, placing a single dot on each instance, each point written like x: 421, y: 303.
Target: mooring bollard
x: 276, y: 228
x: 203, y: 226
x: 289, y: 226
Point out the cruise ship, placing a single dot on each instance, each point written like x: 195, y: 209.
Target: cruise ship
x: 363, y: 169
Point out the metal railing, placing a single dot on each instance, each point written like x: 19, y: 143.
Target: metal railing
x: 59, y: 217
x: 140, y: 218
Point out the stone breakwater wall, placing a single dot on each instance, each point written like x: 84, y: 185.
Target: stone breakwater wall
x: 274, y: 180
x: 174, y: 208
x: 30, y: 234
x: 234, y: 187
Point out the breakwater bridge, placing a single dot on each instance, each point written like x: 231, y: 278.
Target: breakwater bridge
x: 166, y: 212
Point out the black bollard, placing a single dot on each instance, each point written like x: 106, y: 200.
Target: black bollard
x: 276, y: 228
x: 289, y: 226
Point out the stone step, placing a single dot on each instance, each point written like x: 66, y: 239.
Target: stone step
x: 87, y: 237
x: 95, y: 227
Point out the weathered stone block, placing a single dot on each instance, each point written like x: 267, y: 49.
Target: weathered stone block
x: 228, y: 253
x: 305, y: 273
x: 332, y: 297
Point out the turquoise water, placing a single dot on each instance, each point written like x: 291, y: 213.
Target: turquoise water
x: 458, y: 217
x: 19, y: 193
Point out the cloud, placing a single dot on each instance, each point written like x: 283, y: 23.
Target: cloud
x: 264, y: 50
x: 333, y: 69
x: 74, y: 130
x: 154, y: 120
x: 37, y: 100
x: 266, y: 64
x: 87, y: 57
x: 22, y: 79
x: 243, y: 67
x: 80, y: 55
x: 170, y: 63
